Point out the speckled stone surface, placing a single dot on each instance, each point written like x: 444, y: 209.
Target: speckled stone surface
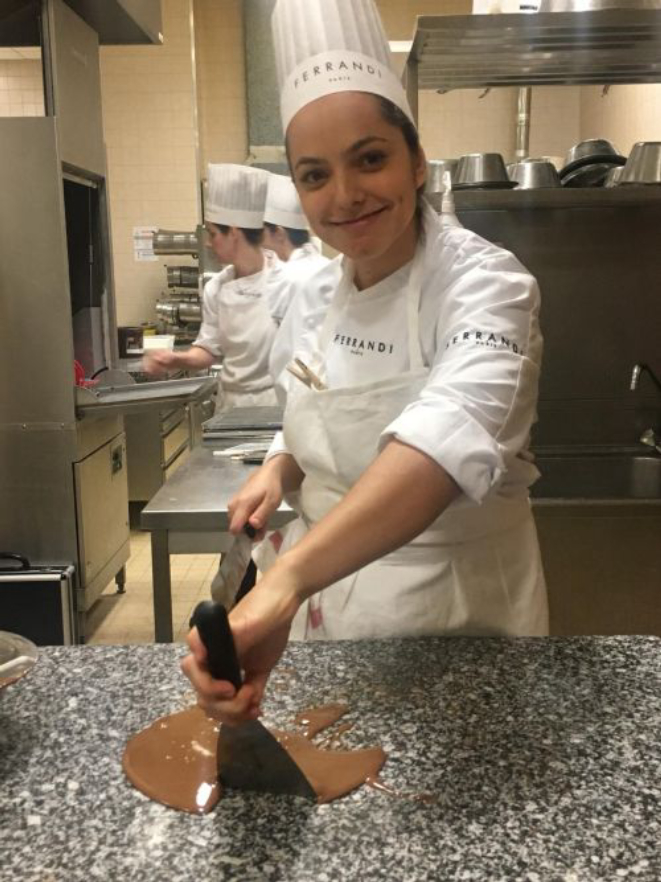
x: 544, y: 755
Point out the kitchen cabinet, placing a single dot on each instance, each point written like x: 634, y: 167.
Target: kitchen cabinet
x: 542, y: 757
x: 158, y: 443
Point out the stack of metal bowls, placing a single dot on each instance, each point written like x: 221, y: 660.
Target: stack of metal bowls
x: 533, y: 174
x: 436, y: 168
x: 643, y: 165
x: 588, y: 163
x: 482, y: 171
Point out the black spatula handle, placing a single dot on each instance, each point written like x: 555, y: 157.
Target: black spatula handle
x: 212, y: 623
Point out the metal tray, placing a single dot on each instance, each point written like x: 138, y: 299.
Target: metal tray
x: 103, y: 400
x: 258, y: 418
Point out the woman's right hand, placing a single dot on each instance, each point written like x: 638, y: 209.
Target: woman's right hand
x: 159, y: 362
x: 256, y: 501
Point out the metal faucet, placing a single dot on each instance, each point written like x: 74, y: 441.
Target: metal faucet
x: 649, y: 437
x: 639, y: 369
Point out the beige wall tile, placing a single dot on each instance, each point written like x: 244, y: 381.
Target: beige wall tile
x: 148, y: 95
x: 625, y: 115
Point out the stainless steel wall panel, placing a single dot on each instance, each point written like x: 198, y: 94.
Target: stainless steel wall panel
x: 37, y: 508
x: 36, y: 356
x: 77, y: 88
x: 599, y: 271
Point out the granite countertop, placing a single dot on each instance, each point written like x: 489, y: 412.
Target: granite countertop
x: 544, y: 756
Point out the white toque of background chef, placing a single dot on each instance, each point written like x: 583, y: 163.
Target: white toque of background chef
x: 406, y: 431
x: 236, y: 322
x: 287, y: 233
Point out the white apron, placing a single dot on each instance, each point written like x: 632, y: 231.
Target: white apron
x: 475, y: 570
x: 245, y: 335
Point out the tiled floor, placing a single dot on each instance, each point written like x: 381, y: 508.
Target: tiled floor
x: 128, y: 618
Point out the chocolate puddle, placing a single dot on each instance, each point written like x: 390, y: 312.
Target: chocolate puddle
x: 173, y: 761
x: 316, y: 719
x: 332, y: 773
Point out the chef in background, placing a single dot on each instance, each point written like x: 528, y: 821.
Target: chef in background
x: 287, y: 232
x: 237, y: 326
x: 405, y: 444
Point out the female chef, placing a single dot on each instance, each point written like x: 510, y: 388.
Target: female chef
x: 286, y: 231
x: 236, y: 322
x: 405, y: 442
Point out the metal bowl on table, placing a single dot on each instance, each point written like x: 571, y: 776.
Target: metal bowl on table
x: 436, y: 168
x: 591, y: 152
x: 643, y: 165
x: 485, y: 171
x: 533, y: 174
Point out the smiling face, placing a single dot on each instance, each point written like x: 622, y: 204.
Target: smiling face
x: 357, y: 180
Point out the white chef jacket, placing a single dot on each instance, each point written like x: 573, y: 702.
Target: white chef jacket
x: 303, y: 262
x: 237, y: 325
x: 479, y: 334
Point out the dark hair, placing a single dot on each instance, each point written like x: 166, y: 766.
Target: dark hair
x: 253, y: 237
x: 296, y: 237
x: 397, y: 118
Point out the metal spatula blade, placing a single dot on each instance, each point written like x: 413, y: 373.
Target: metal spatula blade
x: 249, y: 757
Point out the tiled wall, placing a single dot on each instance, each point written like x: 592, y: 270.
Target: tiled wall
x: 21, y: 88
x: 625, y: 115
x: 150, y: 127
x: 221, y: 82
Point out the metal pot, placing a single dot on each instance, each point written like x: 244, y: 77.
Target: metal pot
x: 435, y: 171
x: 643, y: 165
x: 482, y: 171
x: 534, y: 174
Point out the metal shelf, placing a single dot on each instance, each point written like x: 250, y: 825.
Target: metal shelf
x: 543, y: 49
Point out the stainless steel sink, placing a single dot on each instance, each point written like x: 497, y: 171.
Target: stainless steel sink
x: 604, y: 476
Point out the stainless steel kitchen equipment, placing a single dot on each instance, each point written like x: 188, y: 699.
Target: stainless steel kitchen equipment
x: 591, y: 175
x: 482, y: 171
x: 183, y: 277
x: 591, y: 152
x: 549, y: 48
x: 643, y: 165
x: 63, y: 477
x: 436, y: 168
x: 533, y: 174
x: 612, y: 179
x: 175, y: 242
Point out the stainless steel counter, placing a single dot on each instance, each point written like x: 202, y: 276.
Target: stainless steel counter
x: 188, y: 515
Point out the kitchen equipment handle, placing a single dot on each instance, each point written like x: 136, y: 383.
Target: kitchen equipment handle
x: 212, y: 623
x: 10, y: 555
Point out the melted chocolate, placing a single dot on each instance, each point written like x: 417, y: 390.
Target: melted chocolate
x: 316, y: 719
x: 174, y: 761
x: 332, y: 773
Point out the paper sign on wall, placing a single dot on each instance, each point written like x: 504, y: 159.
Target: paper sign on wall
x: 143, y: 243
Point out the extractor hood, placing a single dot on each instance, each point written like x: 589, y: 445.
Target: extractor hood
x: 117, y: 22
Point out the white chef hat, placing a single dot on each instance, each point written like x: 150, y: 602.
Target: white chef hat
x: 282, y: 204
x: 236, y: 195
x: 325, y: 46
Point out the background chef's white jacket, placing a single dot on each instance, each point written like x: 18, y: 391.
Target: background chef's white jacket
x: 282, y: 283
x: 479, y: 333
x: 235, y: 327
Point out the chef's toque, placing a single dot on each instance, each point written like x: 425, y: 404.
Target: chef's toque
x: 236, y: 195
x: 282, y: 204
x: 325, y: 46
